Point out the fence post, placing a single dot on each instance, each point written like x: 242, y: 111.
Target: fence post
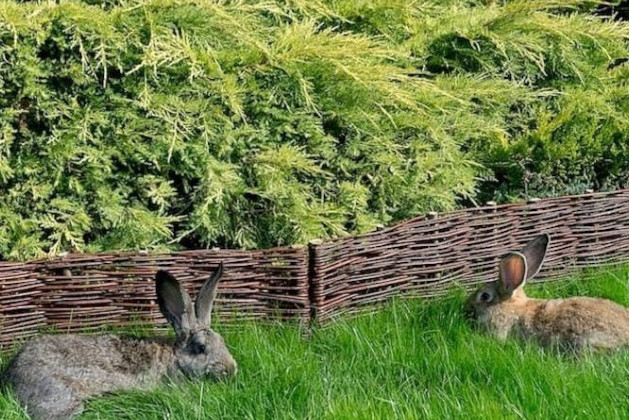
x: 313, y: 280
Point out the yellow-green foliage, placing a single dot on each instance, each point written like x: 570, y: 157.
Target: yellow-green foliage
x: 160, y: 123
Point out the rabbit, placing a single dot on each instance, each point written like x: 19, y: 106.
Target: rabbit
x: 52, y: 375
x: 574, y: 324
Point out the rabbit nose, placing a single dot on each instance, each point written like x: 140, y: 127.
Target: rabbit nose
x: 229, y: 369
x: 469, y: 312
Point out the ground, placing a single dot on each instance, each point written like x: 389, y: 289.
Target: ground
x: 413, y: 360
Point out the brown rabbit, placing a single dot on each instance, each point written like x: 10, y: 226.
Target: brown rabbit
x: 502, y: 309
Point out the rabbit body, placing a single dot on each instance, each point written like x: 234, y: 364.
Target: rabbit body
x: 574, y: 323
x: 53, y: 375
x: 503, y: 309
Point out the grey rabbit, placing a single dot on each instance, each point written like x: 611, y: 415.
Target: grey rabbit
x: 52, y: 375
x: 574, y: 324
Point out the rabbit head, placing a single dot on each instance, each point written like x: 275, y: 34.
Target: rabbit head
x: 515, y: 268
x: 199, y: 351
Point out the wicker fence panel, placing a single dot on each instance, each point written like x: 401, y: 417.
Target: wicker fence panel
x: 20, y: 315
x: 423, y: 256
x: 88, y: 292
x: 601, y: 229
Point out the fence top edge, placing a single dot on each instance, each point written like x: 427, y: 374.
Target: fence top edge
x: 293, y: 250
x: 441, y: 216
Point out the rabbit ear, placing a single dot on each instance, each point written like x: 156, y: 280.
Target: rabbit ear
x: 203, y: 305
x: 534, y: 253
x: 173, y: 300
x: 512, y: 272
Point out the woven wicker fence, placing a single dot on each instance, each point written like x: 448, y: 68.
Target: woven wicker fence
x: 419, y: 257
x: 423, y: 256
x: 83, y: 292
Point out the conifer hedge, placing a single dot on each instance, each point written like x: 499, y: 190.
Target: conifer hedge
x: 135, y: 124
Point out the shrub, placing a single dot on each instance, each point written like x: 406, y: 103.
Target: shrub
x: 164, y: 123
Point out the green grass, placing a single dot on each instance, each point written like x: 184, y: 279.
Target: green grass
x: 412, y: 360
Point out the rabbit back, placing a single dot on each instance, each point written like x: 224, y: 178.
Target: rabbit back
x: 577, y: 323
x: 52, y: 375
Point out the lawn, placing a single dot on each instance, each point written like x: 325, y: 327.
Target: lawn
x: 413, y: 359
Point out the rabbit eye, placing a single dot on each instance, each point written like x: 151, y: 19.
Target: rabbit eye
x: 485, y: 297
x: 197, y: 348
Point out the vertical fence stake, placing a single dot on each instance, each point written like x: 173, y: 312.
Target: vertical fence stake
x: 313, y: 281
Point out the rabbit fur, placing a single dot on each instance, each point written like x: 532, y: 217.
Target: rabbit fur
x: 503, y: 309
x: 52, y: 375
